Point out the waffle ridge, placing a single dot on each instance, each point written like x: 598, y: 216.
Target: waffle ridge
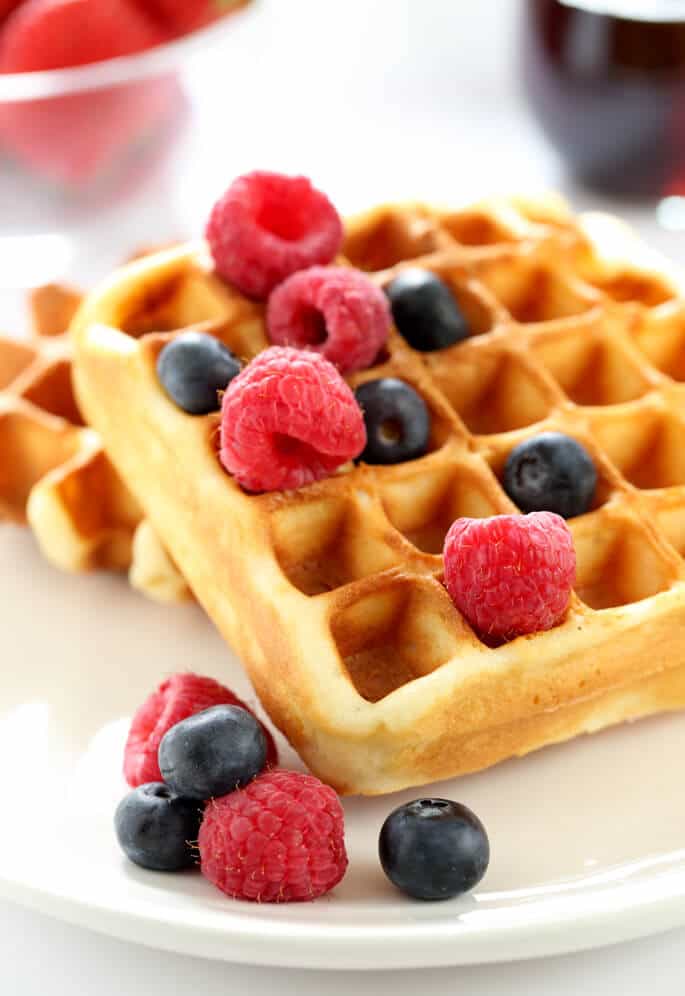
x: 56, y: 477
x: 332, y: 594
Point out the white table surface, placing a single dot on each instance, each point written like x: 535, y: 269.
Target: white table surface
x: 41, y: 957
x: 402, y: 99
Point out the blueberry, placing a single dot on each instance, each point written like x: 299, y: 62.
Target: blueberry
x: 425, y: 311
x: 551, y: 473
x: 398, y: 423
x: 156, y: 828
x: 213, y: 752
x: 434, y: 849
x: 193, y: 368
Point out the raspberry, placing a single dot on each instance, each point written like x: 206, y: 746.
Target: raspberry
x: 288, y: 419
x: 74, y: 137
x: 54, y: 34
x: 510, y: 574
x: 267, y: 226
x: 179, y: 17
x: 333, y: 310
x: 7, y: 6
x: 279, y: 840
x: 82, y: 136
x: 180, y: 696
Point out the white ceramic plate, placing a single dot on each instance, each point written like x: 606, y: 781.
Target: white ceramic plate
x: 587, y: 839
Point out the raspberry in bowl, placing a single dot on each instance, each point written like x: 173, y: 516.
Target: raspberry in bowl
x: 88, y: 86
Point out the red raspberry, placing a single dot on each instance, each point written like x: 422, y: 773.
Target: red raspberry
x: 54, y: 34
x: 72, y: 138
x: 510, y: 574
x: 180, y: 696
x: 288, y: 419
x: 267, y: 226
x: 179, y: 17
x: 279, y: 840
x: 76, y: 138
x: 7, y: 6
x: 333, y: 310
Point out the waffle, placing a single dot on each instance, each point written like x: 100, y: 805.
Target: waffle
x: 54, y: 473
x: 332, y: 594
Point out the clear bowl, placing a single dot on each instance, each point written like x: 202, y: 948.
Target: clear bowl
x: 81, y: 133
x: 86, y: 156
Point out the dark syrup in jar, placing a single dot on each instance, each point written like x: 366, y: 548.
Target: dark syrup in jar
x: 606, y: 79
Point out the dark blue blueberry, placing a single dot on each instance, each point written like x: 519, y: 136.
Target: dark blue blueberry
x: 156, y: 828
x: 213, y: 752
x: 434, y: 849
x: 193, y: 368
x: 398, y: 423
x: 425, y: 311
x: 551, y: 473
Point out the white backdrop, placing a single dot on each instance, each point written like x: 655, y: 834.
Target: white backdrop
x: 375, y: 100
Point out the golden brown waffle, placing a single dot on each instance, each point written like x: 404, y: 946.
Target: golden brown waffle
x: 40, y: 426
x: 332, y: 594
x: 58, y: 479
x: 54, y: 474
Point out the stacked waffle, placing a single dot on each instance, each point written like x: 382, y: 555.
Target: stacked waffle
x: 55, y: 474
x: 332, y: 594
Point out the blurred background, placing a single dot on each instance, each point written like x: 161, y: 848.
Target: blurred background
x: 437, y: 100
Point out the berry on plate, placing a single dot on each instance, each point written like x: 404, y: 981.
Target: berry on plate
x: 156, y: 829
x: 193, y: 368
x: 551, y: 472
x: 434, y: 849
x: 267, y: 226
x: 213, y: 752
x: 510, y: 574
x: 279, y: 840
x: 177, y: 698
x: 425, y: 311
x: 55, y: 34
x: 287, y: 420
x: 334, y: 310
x: 397, y: 421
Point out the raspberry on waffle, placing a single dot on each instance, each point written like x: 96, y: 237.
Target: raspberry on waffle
x: 332, y: 594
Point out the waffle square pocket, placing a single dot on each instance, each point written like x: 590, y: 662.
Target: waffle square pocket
x: 332, y: 594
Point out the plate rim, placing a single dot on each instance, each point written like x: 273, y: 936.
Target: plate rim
x: 627, y: 911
